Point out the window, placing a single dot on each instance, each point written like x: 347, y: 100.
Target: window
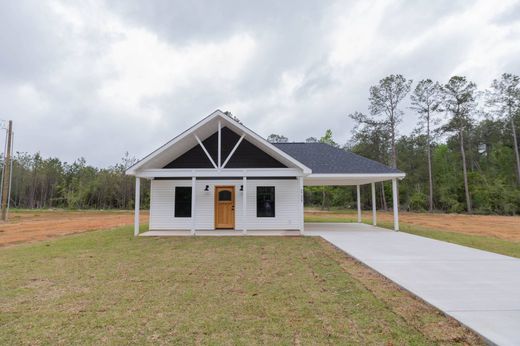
x: 224, y: 195
x: 182, y: 201
x: 265, y: 201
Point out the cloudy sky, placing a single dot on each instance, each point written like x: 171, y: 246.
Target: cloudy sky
x: 96, y: 78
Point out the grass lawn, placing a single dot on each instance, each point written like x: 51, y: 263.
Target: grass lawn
x: 501, y: 246
x: 504, y: 247
x: 109, y: 287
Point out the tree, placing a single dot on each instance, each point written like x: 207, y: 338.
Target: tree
x: 325, y: 190
x: 459, y: 101
x: 426, y: 101
x: 370, y: 139
x: 274, y: 138
x: 311, y: 140
x: 229, y: 114
x: 384, y: 102
x: 327, y: 139
x: 504, y: 98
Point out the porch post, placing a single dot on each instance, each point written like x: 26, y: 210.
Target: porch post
x: 193, y: 203
x: 358, y: 190
x: 137, y: 203
x: 395, y: 204
x: 244, y: 205
x: 301, y: 207
x: 374, y: 208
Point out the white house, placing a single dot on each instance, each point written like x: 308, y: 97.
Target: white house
x: 220, y: 175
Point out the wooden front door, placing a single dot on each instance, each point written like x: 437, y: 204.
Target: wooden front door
x: 224, y: 207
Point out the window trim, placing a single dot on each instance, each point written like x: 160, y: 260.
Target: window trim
x: 274, y: 202
x: 175, y: 202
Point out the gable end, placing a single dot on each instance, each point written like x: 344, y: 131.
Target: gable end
x: 247, y: 155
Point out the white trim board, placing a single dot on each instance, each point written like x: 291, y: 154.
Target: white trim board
x: 225, y: 172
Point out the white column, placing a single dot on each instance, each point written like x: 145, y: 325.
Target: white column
x: 358, y: 191
x: 244, y: 205
x: 374, y: 208
x: 301, y: 202
x: 193, y: 201
x: 395, y: 204
x: 137, y: 203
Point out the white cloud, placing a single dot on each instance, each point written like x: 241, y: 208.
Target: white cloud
x: 134, y: 75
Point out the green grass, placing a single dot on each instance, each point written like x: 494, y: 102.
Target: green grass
x: 500, y: 246
x: 107, y: 287
x: 311, y: 218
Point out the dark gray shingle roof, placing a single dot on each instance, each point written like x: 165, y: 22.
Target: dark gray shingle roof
x: 323, y: 158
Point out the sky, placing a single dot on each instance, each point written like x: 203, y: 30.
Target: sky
x: 96, y: 79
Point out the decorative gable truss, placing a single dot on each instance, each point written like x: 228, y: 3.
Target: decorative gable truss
x: 218, y: 146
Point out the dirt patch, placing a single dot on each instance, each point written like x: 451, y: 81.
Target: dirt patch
x: 27, y: 226
x: 502, y: 227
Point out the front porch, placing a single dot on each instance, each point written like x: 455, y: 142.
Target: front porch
x: 300, y: 227
x: 220, y: 233
x: 311, y: 229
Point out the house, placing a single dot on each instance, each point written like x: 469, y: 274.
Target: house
x: 220, y: 175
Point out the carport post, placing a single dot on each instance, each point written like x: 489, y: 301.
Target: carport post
x: 395, y: 204
x: 137, y: 203
x: 193, y: 203
x: 374, y: 217
x: 301, y: 207
x: 358, y: 190
x: 244, y: 205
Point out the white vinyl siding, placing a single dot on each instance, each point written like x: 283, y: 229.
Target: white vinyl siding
x: 286, y: 205
x: 163, y: 197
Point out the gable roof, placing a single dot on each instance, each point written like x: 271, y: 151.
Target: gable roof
x: 326, y: 159
x: 203, y: 129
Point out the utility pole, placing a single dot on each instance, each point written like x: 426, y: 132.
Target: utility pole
x: 7, y: 172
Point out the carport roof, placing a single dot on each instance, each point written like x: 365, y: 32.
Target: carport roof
x: 326, y: 159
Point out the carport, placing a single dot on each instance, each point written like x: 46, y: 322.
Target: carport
x: 337, y: 167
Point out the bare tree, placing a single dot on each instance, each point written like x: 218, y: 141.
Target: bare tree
x: 274, y: 138
x: 384, y: 102
x: 427, y: 100
x: 504, y: 98
x: 459, y: 101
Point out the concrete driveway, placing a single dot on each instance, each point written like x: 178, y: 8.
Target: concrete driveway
x: 480, y: 289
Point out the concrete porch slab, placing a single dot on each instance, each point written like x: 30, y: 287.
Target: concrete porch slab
x: 219, y: 233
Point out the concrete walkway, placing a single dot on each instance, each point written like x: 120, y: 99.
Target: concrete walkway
x: 480, y: 289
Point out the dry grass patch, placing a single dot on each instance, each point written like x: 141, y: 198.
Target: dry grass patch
x: 496, y: 226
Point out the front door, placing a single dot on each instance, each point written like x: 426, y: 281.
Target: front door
x: 224, y: 207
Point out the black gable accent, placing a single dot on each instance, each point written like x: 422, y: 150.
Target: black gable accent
x: 247, y: 155
x: 193, y: 158
x: 227, y: 142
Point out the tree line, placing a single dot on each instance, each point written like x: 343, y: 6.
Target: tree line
x: 463, y: 154
x: 51, y: 183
